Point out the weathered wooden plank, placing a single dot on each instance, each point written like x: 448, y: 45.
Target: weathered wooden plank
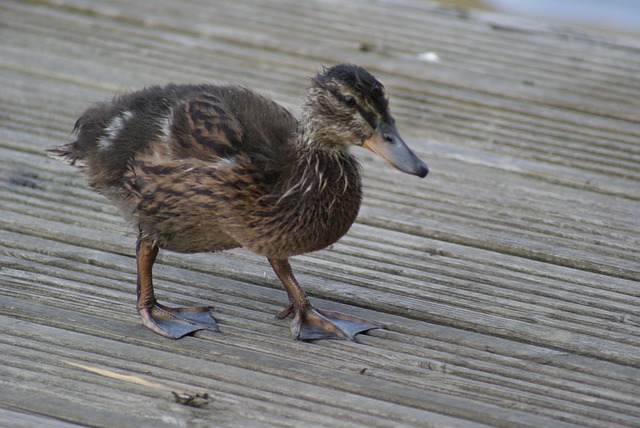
x: 274, y: 379
x: 60, y: 370
x: 449, y: 370
x: 14, y: 418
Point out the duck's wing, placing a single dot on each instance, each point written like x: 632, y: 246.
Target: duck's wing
x: 222, y: 152
x: 225, y: 121
x: 204, y: 128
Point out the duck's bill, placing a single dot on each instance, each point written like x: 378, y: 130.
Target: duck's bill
x: 387, y: 143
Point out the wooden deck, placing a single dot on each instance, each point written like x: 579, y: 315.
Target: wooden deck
x: 508, y: 279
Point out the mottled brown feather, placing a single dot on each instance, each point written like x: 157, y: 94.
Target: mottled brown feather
x: 206, y: 168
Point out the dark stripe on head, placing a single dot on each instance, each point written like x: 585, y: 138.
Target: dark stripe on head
x: 361, y: 82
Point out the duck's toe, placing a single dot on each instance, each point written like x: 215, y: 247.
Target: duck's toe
x: 177, y: 322
x: 314, y: 324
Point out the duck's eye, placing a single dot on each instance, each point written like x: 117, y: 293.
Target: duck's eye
x: 349, y: 100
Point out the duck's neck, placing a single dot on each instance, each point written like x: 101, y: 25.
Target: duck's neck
x: 321, y: 169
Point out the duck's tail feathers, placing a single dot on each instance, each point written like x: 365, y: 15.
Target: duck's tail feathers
x: 66, y: 153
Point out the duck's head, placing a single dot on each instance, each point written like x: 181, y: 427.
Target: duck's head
x: 347, y: 106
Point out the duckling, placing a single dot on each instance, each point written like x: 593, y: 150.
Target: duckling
x: 202, y: 168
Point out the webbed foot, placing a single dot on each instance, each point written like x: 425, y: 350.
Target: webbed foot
x: 177, y: 322
x: 310, y: 323
x: 313, y: 324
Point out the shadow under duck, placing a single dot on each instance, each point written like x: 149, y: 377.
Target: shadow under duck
x: 200, y: 168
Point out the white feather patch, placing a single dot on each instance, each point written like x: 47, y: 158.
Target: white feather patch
x: 113, y: 129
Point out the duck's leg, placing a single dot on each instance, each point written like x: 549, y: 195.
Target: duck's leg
x: 166, y: 321
x: 310, y: 323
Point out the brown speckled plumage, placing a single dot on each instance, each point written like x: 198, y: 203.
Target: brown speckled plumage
x: 200, y: 168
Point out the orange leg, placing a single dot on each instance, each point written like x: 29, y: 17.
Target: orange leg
x: 166, y: 321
